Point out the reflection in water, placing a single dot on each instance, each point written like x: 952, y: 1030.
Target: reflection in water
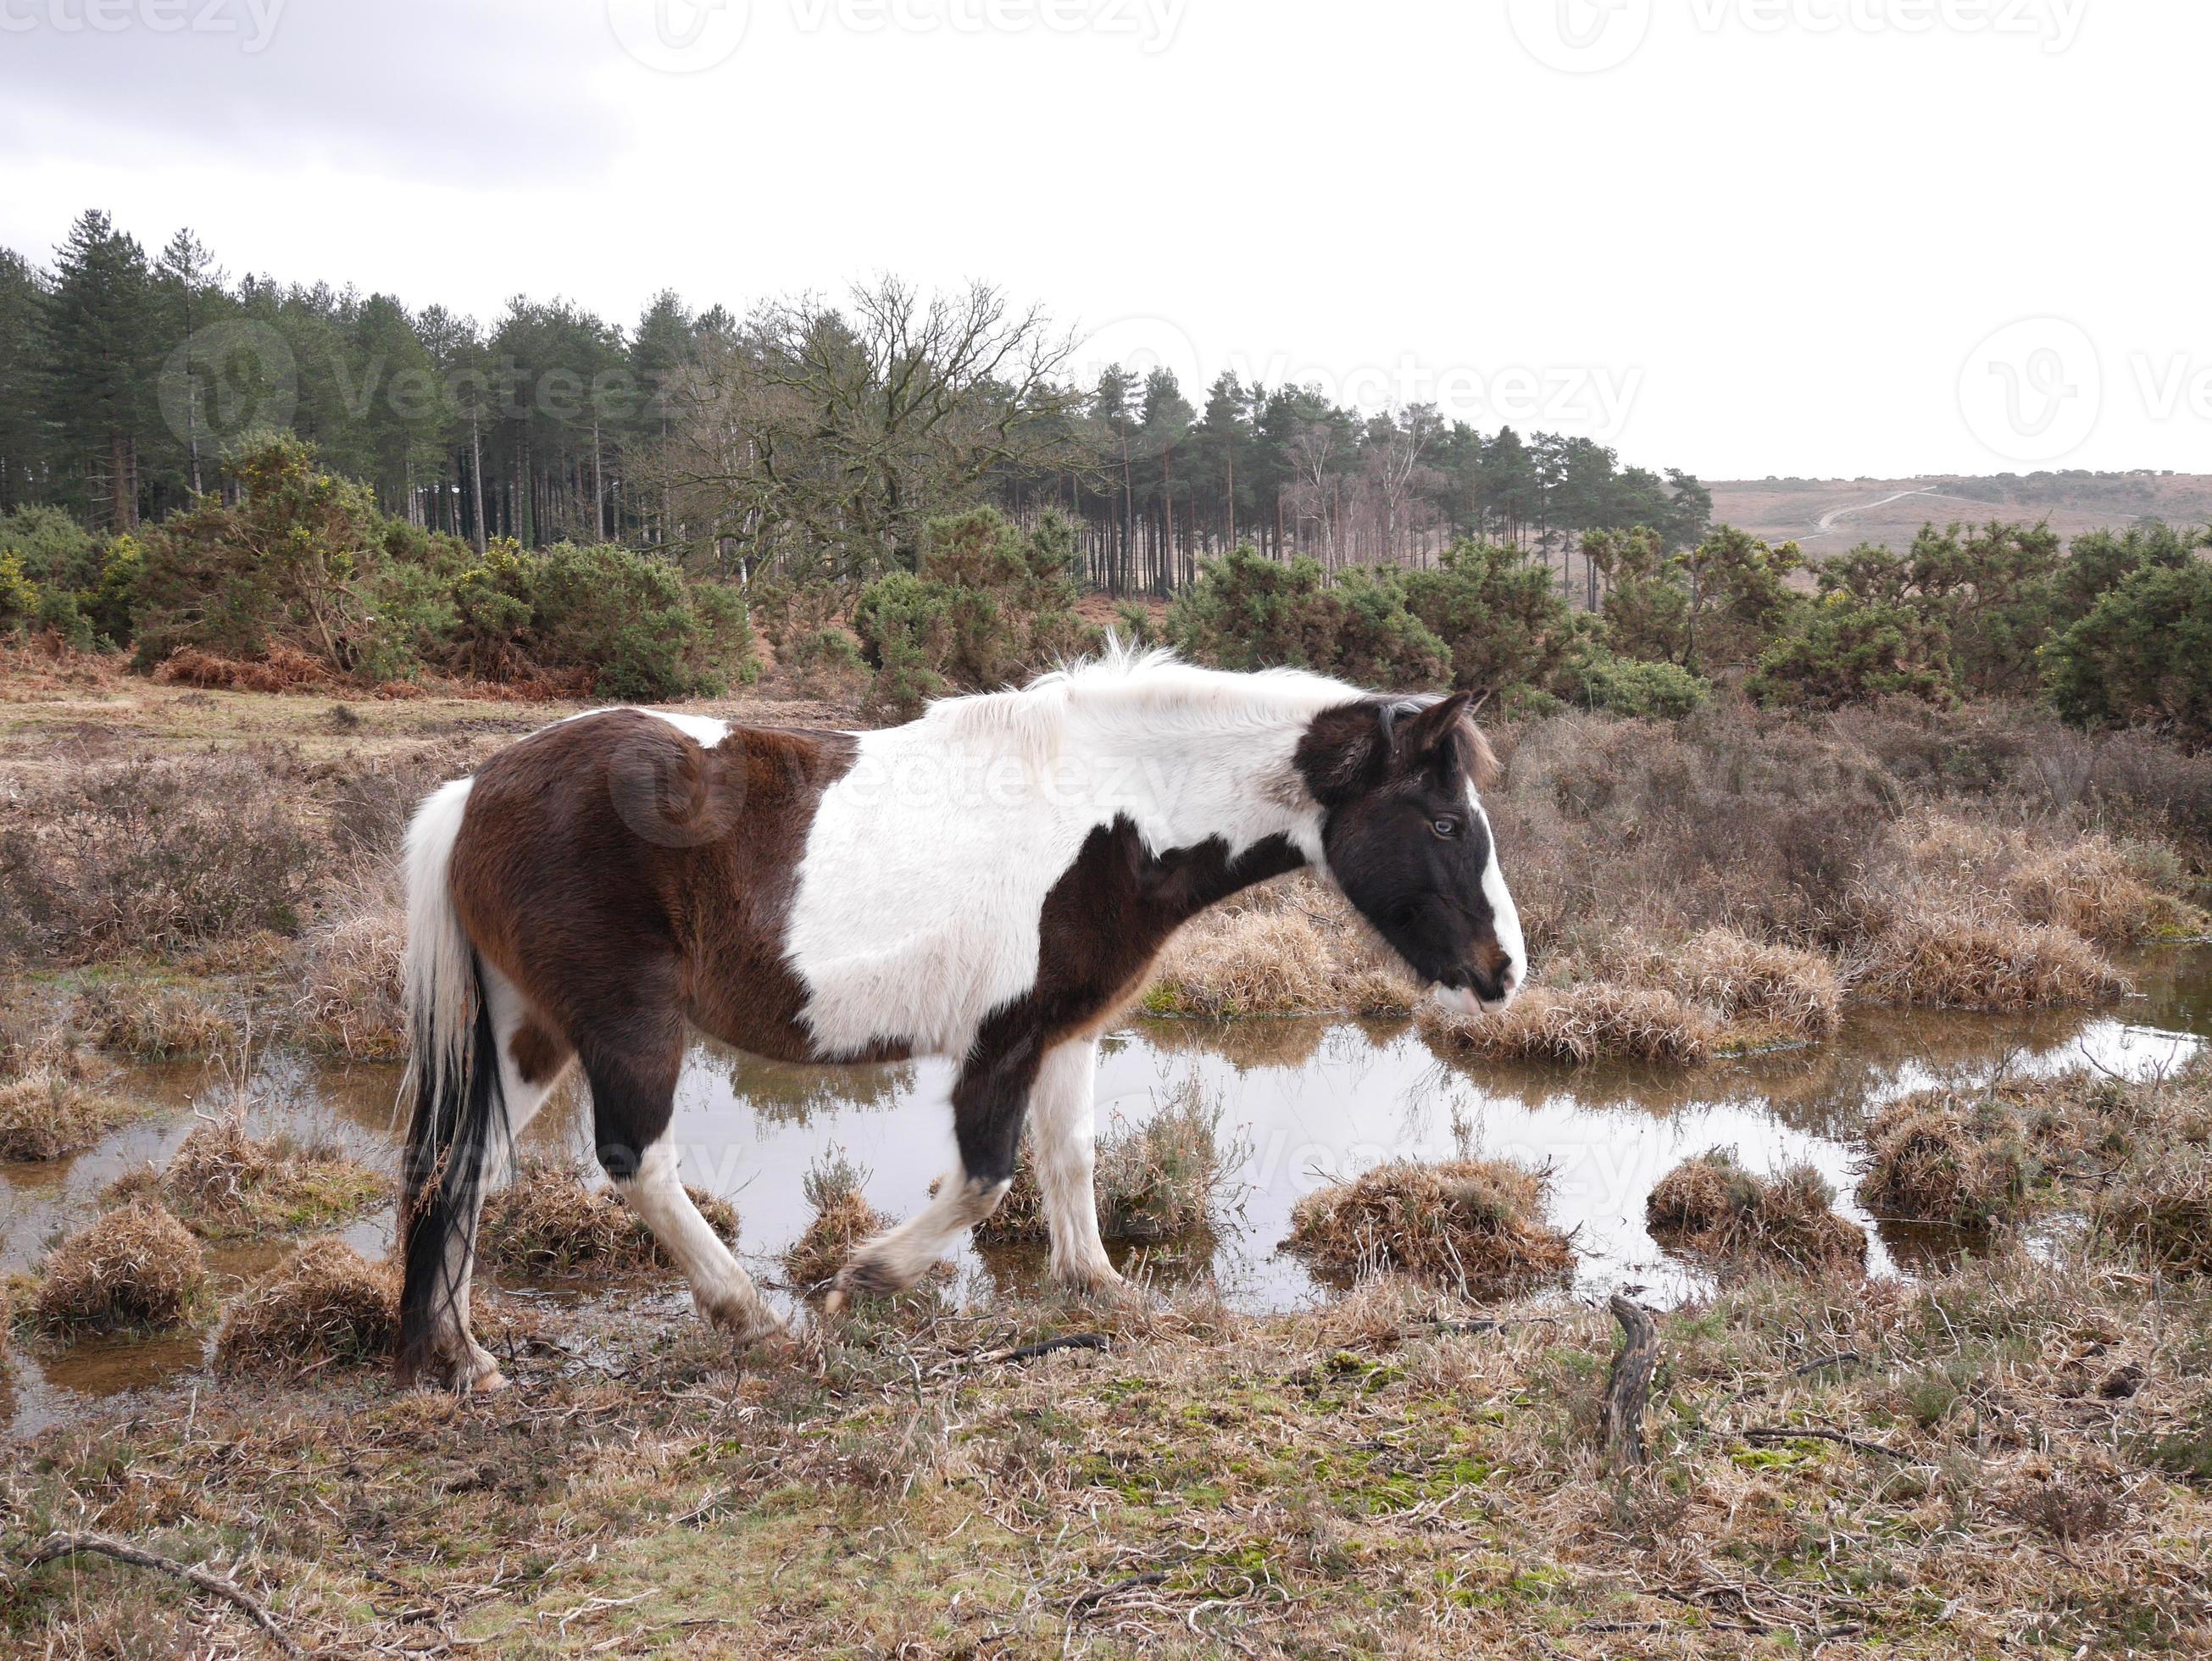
x: 1315, y: 1100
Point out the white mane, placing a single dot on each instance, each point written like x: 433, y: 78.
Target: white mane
x: 1125, y: 689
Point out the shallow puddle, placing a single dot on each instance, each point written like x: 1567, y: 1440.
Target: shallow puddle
x: 1304, y: 1101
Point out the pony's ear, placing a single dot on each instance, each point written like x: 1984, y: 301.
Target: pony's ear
x: 1439, y: 737
x: 1346, y: 751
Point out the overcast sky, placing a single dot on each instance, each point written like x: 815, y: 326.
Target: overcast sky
x: 1830, y: 237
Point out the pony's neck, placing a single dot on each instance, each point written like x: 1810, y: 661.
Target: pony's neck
x: 1187, y: 783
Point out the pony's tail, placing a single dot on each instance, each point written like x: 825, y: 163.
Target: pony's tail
x: 457, y: 1126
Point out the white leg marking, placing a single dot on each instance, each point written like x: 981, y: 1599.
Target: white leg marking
x: 1063, y: 1147
x: 720, y: 1287
x: 896, y: 1259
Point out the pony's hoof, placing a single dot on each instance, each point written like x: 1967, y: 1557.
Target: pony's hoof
x: 834, y: 1301
x: 486, y: 1384
x: 747, y: 1324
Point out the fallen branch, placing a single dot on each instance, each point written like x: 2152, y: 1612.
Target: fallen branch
x: 1027, y: 1351
x: 1621, y: 1420
x: 1785, y: 1433
x: 1098, y: 1595
x: 55, y: 1547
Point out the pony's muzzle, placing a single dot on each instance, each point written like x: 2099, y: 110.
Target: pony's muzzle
x: 1478, y: 991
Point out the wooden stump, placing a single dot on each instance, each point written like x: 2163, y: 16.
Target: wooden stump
x: 1621, y: 1420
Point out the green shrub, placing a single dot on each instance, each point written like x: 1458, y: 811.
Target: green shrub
x: 987, y: 605
x: 1246, y: 611
x: 2142, y: 654
x: 1851, y: 652
x: 1494, y: 609
x: 56, y: 551
x: 1598, y: 679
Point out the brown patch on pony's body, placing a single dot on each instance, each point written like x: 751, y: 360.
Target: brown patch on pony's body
x: 539, y: 1053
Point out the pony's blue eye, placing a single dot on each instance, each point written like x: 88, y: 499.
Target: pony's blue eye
x: 1445, y: 827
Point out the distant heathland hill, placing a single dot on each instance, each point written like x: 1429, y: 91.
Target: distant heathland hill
x: 1829, y: 516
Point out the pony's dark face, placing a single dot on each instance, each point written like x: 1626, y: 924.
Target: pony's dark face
x: 1408, y: 842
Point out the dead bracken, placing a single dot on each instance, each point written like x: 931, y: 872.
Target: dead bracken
x: 1712, y: 1206
x: 135, y: 1268
x: 547, y: 1221
x: 1472, y: 1221
x: 328, y: 1307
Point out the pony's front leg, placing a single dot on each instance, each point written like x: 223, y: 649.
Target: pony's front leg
x: 988, y: 1100
x: 1063, y: 1150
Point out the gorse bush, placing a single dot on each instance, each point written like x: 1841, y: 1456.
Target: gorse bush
x: 2143, y: 654
x: 987, y: 604
x: 303, y: 563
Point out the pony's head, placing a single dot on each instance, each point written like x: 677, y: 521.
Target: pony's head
x: 1399, y: 783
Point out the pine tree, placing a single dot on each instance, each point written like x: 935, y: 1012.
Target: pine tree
x: 99, y: 336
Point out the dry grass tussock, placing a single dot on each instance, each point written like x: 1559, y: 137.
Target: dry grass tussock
x: 52, y: 1100
x: 1960, y: 960
x: 547, y: 1221
x: 349, y: 1002
x: 1293, y: 948
x: 1948, y: 1157
x: 1597, y: 1020
x: 328, y: 1307
x: 2131, y: 1156
x: 843, y: 1219
x: 2108, y: 891
x: 150, y: 1023
x: 1712, y: 1206
x: 1478, y: 1224
x: 1167, y: 1177
x: 227, y: 1183
x: 135, y: 1268
x: 1760, y: 991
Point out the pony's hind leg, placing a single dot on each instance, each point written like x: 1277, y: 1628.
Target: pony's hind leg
x: 533, y: 1059
x: 633, y: 1073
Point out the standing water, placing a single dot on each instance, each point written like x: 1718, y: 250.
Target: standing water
x: 1302, y: 1102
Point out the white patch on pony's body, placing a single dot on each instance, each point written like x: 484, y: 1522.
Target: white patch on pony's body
x: 926, y: 867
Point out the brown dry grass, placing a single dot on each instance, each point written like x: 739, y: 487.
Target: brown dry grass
x: 155, y: 1023
x: 1473, y: 1223
x: 327, y: 1307
x: 1763, y: 992
x: 135, y: 1268
x: 349, y: 1002
x: 2159, y: 1206
x: 1293, y: 948
x: 1163, y: 1178
x: 1952, y: 960
x: 52, y: 1102
x: 284, y: 669
x: 546, y: 1222
x: 1593, y: 1021
x: 1712, y: 1206
x: 843, y: 1219
x: 1948, y: 1157
x: 227, y: 1183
